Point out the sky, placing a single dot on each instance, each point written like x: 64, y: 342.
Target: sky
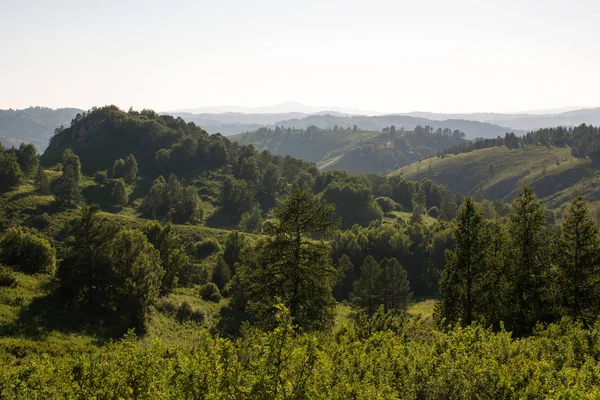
x: 383, y: 55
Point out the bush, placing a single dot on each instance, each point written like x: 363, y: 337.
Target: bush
x: 207, y: 247
x: 387, y: 205
x: 210, y: 292
x: 7, y: 279
x: 186, y: 312
x: 42, y: 221
x: 27, y: 251
x: 101, y: 177
x: 433, y: 212
x: 193, y: 274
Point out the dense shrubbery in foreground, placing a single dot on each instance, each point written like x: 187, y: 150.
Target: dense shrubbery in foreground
x: 412, y: 360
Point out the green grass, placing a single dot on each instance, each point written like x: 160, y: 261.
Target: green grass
x: 422, y: 309
x: 498, y: 173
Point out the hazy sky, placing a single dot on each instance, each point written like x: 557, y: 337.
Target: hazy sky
x: 385, y: 55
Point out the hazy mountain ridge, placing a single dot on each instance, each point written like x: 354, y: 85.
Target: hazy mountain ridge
x: 524, y: 121
x: 33, y: 125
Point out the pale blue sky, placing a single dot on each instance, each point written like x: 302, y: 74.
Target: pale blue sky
x: 386, y: 55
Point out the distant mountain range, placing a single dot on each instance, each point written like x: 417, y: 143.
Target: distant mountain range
x: 531, y: 121
x: 36, y: 124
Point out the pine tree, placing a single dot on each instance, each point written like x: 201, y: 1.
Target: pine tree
x: 576, y: 254
x: 367, y: 289
x: 221, y: 274
x: 42, y: 183
x: 395, y: 286
x: 343, y: 288
x: 172, y: 253
x: 529, y: 263
x: 130, y: 169
x: 290, y: 266
x: 466, y: 266
x: 119, y: 193
x: 66, y: 189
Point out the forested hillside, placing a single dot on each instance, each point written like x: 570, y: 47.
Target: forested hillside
x: 33, y: 125
x: 352, y: 149
x: 559, y: 163
x: 141, y: 257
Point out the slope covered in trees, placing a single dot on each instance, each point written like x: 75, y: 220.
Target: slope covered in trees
x: 33, y: 125
x: 559, y: 163
x: 353, y: 149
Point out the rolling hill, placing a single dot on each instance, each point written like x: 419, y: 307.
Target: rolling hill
x: 498, y: 172
x: 352, y: 150
x: 33, y: 125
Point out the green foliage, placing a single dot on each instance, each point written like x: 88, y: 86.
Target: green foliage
x: 130, y: 169
x: 386, y: 204
x: 101, y: 177
x: 173, y: 201
x: 28, y: 251
x: 41, y: 181
x: 66, y: 187
x: 290, y: 267
x: 353, y: 204
x: 462, y: 284
x: 136, y: 276
x: 173, y: 255
x: 28, y: 159
x: 576, y: 252
x: 210, y: 292
x: 367, y: 289
x: 118, y: 194
x: 252, y: 221
x: 207, y: 247
x: 221, y: 273
x: 110, y: 270
x: 528, y: 261
x: 10, y: 171
x: 234, y: 244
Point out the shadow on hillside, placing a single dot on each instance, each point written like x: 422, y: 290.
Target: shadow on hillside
x: 220, y: 220
x: 49, y: 313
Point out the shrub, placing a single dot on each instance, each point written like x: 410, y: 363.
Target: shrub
x: 27, y: 251
x: 101, y: 177
x: 6, y: 278
x: 186, y: 312
x: 387, y: 205
x: 42, y: 221
x: 207, y: 247
x: 210, y: 292
x: 433, y: 212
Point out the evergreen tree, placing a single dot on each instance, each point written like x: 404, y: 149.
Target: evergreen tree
x: 84, y: 272
x: 367, y: 289
x: 28, y: 159
x: 135, y: 276
x: 343, y: 288
x: 576, y: 254
x: 234, y: 244
x: 461, y: 280
x: 395, y: 285
x: 10, y: 172
x: 528, y: 261
x: 119, y: 193
x: 41, y: 181
x: 172, y: 253
x: 130, y: 169
x: 221, y: 273
x: 291, y: 267
x: 66, y: 189
x: 118, y: 170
